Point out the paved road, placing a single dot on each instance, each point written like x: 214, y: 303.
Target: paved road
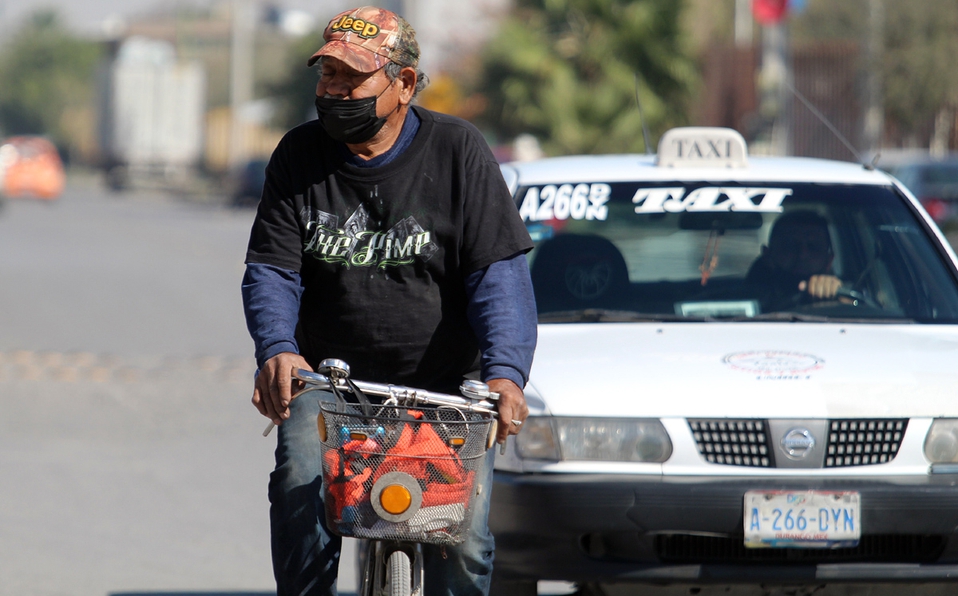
x: 130, y: 458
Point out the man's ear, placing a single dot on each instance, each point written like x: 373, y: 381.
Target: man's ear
x: 407, y: 81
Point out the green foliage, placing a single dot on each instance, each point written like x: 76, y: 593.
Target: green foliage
x: 296, y: 92
x: 829, y: 21
x: 920, y: 46
x: 44, y: 71
x: 565, y: 71
x: 919, y: 67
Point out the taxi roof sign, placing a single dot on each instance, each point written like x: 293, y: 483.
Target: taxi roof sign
x: 702, y: 146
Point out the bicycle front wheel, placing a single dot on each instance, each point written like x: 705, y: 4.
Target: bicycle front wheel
x: 398, y: 574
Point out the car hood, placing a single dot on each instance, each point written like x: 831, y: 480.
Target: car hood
x: 766, y: 370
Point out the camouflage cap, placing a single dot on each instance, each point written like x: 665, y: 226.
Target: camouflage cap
x: 367, y: 37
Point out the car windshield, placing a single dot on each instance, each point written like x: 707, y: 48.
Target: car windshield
x: 700, y: 251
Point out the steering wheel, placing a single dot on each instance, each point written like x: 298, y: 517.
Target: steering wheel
x: 852, y: 297
x: 858, y: 298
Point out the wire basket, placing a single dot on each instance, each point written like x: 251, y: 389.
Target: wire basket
x: 399, y: 473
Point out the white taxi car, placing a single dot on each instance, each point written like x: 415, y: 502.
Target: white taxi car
x: 702, y: 410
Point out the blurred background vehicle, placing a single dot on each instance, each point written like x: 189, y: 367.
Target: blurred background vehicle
x: 245, y: 183
x: 934, y: 182
x: 151, y: 115
x: 30, y: 166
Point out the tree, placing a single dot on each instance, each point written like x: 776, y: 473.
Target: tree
x: 919, y: 48
x: 295, y: 94
x: 45, y: 72
x: 567, y: 72
x: 919, y: 71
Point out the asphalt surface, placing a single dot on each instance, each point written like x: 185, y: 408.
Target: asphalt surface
x: 131, y: 461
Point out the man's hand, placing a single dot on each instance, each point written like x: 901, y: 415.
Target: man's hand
x: 822, y: 287
x: 274, y: 385
x: 512, y: 406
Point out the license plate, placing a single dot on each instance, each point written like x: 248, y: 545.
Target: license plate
x: 802, y: 519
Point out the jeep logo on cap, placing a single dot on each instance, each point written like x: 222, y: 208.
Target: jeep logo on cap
x: 797, y: 443
x: 348, y: 23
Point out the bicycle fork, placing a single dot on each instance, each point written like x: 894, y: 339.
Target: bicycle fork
x: 390, y: 568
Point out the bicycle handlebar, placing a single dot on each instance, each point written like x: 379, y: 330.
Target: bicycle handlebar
x: 476, y: 395
x: 409, y: 396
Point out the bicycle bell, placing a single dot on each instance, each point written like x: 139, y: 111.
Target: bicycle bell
x: 477, y: 390
x: 334, y: 369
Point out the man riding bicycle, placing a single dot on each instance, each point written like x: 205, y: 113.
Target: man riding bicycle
x: 386, y: 237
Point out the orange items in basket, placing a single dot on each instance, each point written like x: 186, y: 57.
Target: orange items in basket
x: 420, y: 452
x: 349, y: 472
x: 420, y: 448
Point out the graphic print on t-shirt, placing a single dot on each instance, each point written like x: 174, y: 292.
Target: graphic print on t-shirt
x: 356, y: 245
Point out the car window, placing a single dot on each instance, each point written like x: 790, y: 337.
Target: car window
x: 629, y: 251
x: 940, y: 174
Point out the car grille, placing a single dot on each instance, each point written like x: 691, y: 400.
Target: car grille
x: 863, y: 442
x: 733, y: 442
x: 748, y: 443
x: 885, y: 548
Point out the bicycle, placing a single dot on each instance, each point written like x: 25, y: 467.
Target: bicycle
x: 401, y: 473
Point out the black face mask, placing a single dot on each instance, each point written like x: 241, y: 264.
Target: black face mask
x: 350, y: 121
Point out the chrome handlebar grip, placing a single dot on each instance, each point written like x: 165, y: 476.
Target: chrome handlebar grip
x: 317, y: 380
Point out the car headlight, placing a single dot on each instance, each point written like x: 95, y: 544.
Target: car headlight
x: 537, y: 440
x: 594, y: 439
x: 941, y: 443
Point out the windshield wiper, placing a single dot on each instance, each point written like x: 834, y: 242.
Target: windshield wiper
x: 786, y: 316
x: 600, y: 315
x: 806, y: 318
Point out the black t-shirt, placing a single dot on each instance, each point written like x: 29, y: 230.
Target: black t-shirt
x: 383, y: 252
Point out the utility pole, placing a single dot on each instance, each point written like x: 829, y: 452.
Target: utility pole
x: 241, y: 76
x: 743, y: 23
x: 874, y: 123
x: 776, y: 100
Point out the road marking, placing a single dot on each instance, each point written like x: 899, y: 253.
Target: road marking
x: 73, y: 367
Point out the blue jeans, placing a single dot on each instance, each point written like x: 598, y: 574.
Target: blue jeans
x: 306, y: 553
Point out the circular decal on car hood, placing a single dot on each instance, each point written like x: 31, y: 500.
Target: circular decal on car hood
x: 774, y: 362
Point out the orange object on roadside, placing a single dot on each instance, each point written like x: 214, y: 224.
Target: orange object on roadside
x: 30, y: 166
